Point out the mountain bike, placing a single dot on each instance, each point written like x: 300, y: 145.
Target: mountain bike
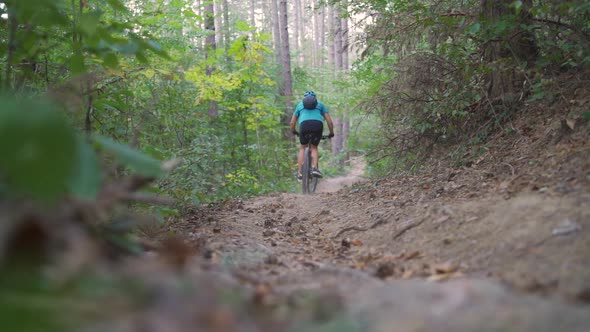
x: 309, y: 182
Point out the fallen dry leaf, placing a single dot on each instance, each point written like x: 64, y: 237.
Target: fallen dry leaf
x: 408, y: 274
x: 356, y: 243
x: 359, y: 265
x: 261, y: 294
x: 412, y: 255
x: 444, y: 268
x: 444, y: 276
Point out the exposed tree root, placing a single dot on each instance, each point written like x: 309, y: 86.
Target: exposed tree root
x: 360, y: 229
x: 407, y: 227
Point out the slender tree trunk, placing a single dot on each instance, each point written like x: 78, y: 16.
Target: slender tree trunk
x: 12, y: 28
x: 226, y: 36
x: 287, y: 87
x: 332, y: 27
x: 337, y: 40
x: 276, y: 29
x: 253, y: 13
x: 345, y: 68
x: 317, y: 48
x: 322, y: 35
x: 210, y: 50
x: 297, y: 31
x: 218, y: 23
x: 345, y: 36
x: 200, y: 12
x: 337, y: 141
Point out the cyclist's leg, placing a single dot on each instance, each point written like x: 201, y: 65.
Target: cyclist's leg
x: 303, y: 139
x: 300, y: 158
x: 314, y: 156
x: 317, y: 129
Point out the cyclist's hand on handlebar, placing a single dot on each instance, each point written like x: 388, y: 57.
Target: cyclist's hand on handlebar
x: 331, y: 135
x: 295, y: 132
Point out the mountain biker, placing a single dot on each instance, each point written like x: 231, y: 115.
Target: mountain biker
x: 311, y: 125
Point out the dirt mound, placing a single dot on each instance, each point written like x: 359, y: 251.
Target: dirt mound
x: 506, y: 224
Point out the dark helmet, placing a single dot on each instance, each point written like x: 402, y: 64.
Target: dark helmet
x: 309, y: 93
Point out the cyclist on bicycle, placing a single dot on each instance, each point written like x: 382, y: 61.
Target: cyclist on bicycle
x: 310, y: 115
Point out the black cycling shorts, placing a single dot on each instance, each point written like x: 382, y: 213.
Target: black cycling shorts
x: 311, y: 130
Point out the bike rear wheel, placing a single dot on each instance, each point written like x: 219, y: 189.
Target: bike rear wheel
x: 309, y: 182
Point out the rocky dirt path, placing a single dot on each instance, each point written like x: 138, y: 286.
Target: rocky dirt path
x: 496, y: 240
x: 407, y: 255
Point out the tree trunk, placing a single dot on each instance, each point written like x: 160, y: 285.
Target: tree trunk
x: 322, y: 38
x: 276, y: 29
x: 317, y: 52
x: 345, y: 36
x: 12, y: 44
x: 210, y: 49
x: 218, y: 23
x: 297, y: 31
x: 200, y: 12
x: 253, y: 13
x: 226, y: 32
x: 287, y: 87
x: 332, y: 27
x: 504, y: 53
x: 345, y: 68
x: 337, y: 40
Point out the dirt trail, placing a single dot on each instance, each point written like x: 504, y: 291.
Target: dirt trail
x: 501, y: 243
x: 330, y: 185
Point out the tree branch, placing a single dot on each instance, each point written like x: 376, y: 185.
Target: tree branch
x: 564, y: 25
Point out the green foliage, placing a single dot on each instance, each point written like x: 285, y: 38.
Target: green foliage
x: 47, y: 159
x: 242, y: 182
x: 102, y: 63
x: 88, y: 34
x: 427, y: 67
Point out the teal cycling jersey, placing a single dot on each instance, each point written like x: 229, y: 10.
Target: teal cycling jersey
x: 304, y: 114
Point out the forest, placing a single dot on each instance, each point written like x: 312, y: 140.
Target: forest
x: 138, y: 128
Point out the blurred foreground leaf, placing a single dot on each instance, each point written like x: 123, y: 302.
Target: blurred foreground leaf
x: 85, y: 180
x: 37, y: 149
x: 138, y: 161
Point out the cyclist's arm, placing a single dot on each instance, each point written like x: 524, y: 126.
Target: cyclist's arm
x: 330, y: 123
x: 293, y: 123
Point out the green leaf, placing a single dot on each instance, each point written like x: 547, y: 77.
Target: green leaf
x: 587, y: 116
x: 474, y: 28
x: 190, y: 13
x: 141, y: 58
x: 243, y: 26
x: 140, y: 162
x: 85, y: 180
x: 77, y: 65
x: 89, y: 23
x: 38, y: 149
x: 517, y: 6
x: 116, y: 4
x: 110, y: 60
